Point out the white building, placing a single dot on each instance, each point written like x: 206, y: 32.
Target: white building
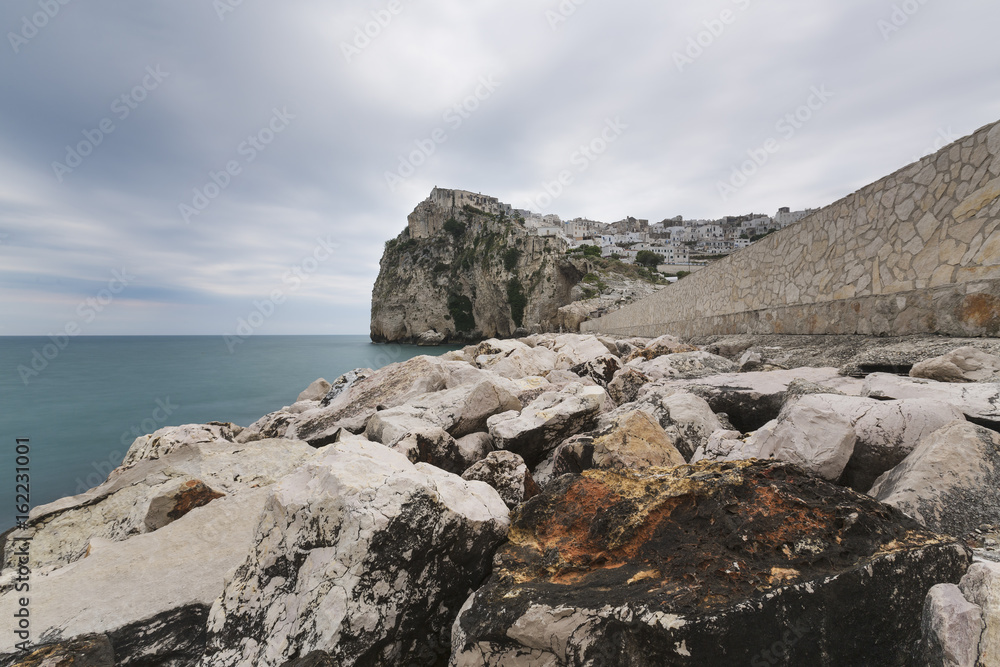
x: 681, y: 234
x: 785, y: 217
x: 581, y: 228
x: 611, y: 249
x: 714, y: 247
x: 710, y: 232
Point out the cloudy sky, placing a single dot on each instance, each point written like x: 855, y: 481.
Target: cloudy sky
x: 165, y: 166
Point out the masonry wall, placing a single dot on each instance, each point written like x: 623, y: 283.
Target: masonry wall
x: 916, y: 252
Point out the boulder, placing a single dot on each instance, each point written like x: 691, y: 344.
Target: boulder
x: 513, y: 359
x: 150, y: 494
x: 435, y: 446
x: 475, y: 447
x: 175, y: 499
x: 633, y: 440
x: 150, y: 593
x: 966, y: 364
x: 508, y: 474
x: 753, y: 399
x: 811, y: 434
x: 951, y: 480
x: 571, y: 316
x: 688, y: 419
x: 344, y: 382
x: 316, y: 391
x: 750, y: 361
x: 684, y: 366
x: 547, y: 421
x: 271, y: 425
x: 950, y: 628
x: 658, y: 347
x: 981, y: 587
x: 711, y: 564
x: 725, y: 445
x: 431, y: 338
x: 979, y: 401
x: 573, y: 349
x: 807, y: 432
x: 625, y: 386
x: 887, y: 431
x: 627, y: 346
x: 359, y: 554
x: 388, y: 387
x: 459, y: 411
x: 85, y: 651
x: 600, y: 369
x: 166, y: 440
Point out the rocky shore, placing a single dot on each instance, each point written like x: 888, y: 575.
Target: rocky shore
x: 552, y: 500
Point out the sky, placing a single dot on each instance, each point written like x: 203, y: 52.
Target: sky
x: 231, y: 167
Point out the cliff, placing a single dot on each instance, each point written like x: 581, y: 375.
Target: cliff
x: 466, y: 268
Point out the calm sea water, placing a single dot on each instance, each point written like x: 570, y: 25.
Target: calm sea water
x: 82, y: 408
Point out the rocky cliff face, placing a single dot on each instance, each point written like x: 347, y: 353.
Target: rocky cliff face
x: 477, y: 275
x: 466, y: 269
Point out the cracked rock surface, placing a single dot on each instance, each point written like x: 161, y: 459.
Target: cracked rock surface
x: 362, y: 555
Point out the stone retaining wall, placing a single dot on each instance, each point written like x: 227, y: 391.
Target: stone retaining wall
x: 916, y: 252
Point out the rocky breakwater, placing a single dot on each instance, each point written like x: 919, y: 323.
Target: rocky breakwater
x: 550, y: 500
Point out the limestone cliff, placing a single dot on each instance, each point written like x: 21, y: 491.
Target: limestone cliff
x: 468, y: 273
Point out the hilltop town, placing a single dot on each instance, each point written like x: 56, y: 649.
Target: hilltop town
x: 682, y: 244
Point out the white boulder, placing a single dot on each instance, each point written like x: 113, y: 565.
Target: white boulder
x: 360, y: 554
x: 966, y: 364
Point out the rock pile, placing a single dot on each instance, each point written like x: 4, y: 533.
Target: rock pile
x: 551, y: 500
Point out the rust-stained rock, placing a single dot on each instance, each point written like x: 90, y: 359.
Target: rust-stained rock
x: 85, y: 651
x: 705, y: 564
x: 176, y: 501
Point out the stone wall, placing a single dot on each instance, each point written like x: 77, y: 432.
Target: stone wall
x: 916, y: 252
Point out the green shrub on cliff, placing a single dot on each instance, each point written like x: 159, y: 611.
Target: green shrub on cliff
x: 454, y: 227
x: 510, y: 258
x: 460, y: 309
x: 517, y: 299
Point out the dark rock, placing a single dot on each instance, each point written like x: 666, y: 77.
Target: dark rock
x: 314, y: 659
x: 172, y: 639
x: 433, y: 445
x: 508, y: 474
x: 601, y: 370
x: 744, y: 563
x: 625, y: 386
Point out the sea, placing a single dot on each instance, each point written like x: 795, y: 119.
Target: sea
x: 71, y: 408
